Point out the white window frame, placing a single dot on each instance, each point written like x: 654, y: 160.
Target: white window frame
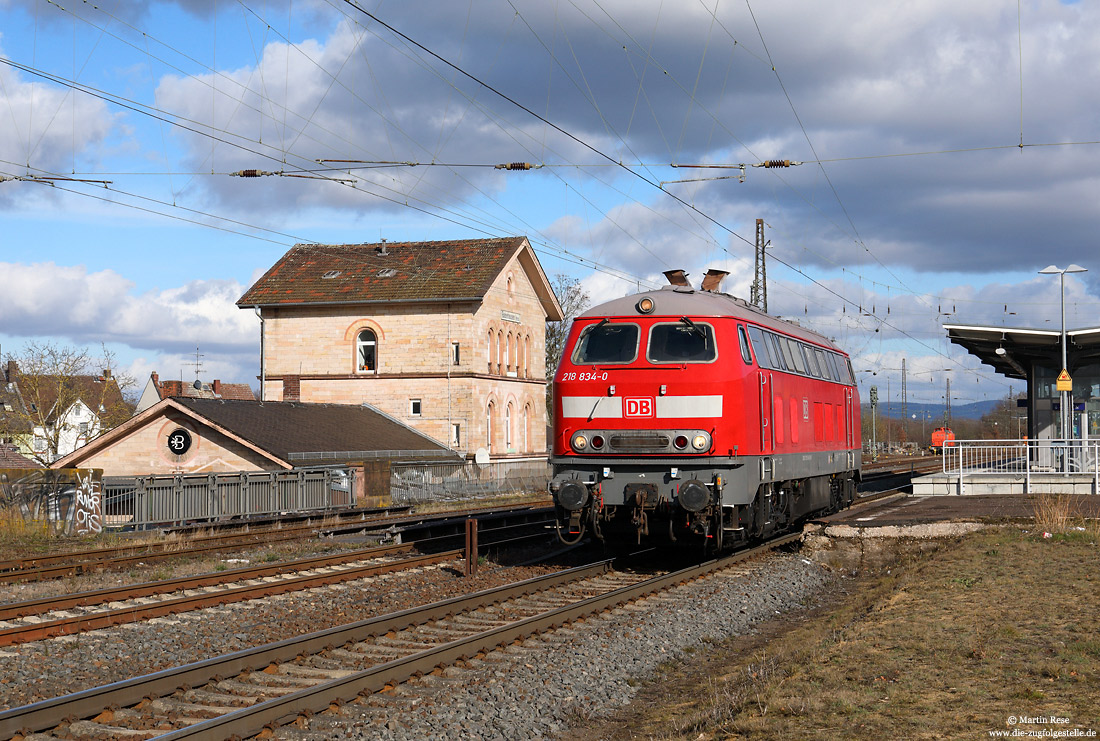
x: 416, y: 407
x: 360, y: 344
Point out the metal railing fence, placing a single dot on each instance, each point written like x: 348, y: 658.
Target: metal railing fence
x: 1030, y: 459
x: 146, y: 501
x: 456, y: 481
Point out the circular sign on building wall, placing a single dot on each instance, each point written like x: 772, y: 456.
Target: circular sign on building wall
x: 179, y: 441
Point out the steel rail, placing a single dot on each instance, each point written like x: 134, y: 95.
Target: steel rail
x: 15, y: 610
x: 67, y: 567
x: 47, y: 713
x: 251, y: 720
x: 93, y: 621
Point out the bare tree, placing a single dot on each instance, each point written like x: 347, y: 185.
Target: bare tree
x: 58, y: 397
x: 574, y: 300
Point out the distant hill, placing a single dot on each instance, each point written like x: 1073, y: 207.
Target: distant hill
x: 974, y: 410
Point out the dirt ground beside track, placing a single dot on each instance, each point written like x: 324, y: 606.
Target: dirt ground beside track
x: 993, y: 632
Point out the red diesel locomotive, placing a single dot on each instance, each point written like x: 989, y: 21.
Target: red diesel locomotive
x: 691, y: 414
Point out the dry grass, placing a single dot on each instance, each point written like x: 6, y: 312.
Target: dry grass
x: 1052, y: 512
x: 1001, y: 623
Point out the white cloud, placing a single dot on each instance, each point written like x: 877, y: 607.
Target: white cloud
x: 45, y: 299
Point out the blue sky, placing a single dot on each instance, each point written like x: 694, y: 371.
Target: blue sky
x: 915, y: 204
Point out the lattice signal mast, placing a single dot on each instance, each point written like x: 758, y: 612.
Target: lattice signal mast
x: 758, y: 295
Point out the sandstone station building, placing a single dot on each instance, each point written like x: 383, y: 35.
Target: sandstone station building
x: 446, y: 337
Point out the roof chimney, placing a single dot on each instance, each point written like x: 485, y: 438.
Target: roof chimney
x: 155, y: 377
x: 713, y: 279
x: 217, y: 387
x: 381, y: 249
x: 11, y: 372
x: 677, y: 278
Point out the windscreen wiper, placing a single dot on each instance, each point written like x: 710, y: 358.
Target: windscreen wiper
x: 694, y: 327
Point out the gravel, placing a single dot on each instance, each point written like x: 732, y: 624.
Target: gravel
x: 540, y: 689
x: 536, y: 690
x: 43, y: 669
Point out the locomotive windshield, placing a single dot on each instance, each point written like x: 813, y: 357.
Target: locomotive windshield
x: 681, y: 343
x: 607, y: 343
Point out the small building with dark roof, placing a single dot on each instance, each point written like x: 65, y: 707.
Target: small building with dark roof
x: 156, y: 389
x: 447, y: 337
x: 183, y: 435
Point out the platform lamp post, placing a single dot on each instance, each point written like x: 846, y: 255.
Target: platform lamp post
x: 1064, y: 396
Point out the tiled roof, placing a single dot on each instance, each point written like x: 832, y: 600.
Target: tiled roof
x: 13, y: 418
x: 282, y: 428
x: 238, y: 391
x: 10, y: 457
x: 99, y: 393
x: 358, y: 273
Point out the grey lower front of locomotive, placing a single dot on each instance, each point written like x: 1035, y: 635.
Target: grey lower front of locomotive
x: 822, y: 480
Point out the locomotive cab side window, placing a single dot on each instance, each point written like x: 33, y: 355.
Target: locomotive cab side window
x: 745, y: 354
x: 681, y: 342
x: 605, y: 342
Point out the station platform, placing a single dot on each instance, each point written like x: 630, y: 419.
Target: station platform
x: 938, y: 484
x: 913, y: 509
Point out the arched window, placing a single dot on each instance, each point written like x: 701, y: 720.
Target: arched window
x: 527, y: 356
x: 508, y: 427
x: 527, y: 429
x: 366, y: 352
x: 489, y: 349
x: 508, y: 353
x: 500, y: 351
x: 489, y: 426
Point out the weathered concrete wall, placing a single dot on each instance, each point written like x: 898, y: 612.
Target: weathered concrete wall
x: 67, y: 501
x: 858, y: 548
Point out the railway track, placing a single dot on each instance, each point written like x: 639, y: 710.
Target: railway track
x: 32, y: 620
x: 243, y: 693
x: 60, y: 565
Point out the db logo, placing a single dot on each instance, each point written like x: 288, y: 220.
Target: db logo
x: 639, y: 407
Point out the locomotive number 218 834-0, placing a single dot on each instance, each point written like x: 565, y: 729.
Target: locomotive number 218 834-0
x: 586, y: 376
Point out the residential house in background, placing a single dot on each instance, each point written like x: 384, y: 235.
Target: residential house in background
x: 10, y: 457
x: 156, y: 389
x: 447, y: 337
x: 50, y: 416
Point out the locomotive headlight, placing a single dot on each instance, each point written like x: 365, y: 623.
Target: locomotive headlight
x: 645, y: 306
x: 700, y: 442
x: 580, y: 442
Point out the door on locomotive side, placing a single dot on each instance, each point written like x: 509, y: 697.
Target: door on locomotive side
x: 767, y: 432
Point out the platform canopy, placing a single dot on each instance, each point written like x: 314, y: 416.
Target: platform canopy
x: 1013, y: 350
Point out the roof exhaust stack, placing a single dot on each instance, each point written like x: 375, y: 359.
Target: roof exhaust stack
x: 713, y: 279
x: 677, y: 278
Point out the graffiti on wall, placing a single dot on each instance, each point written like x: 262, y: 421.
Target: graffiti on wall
x: 68, y: 501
